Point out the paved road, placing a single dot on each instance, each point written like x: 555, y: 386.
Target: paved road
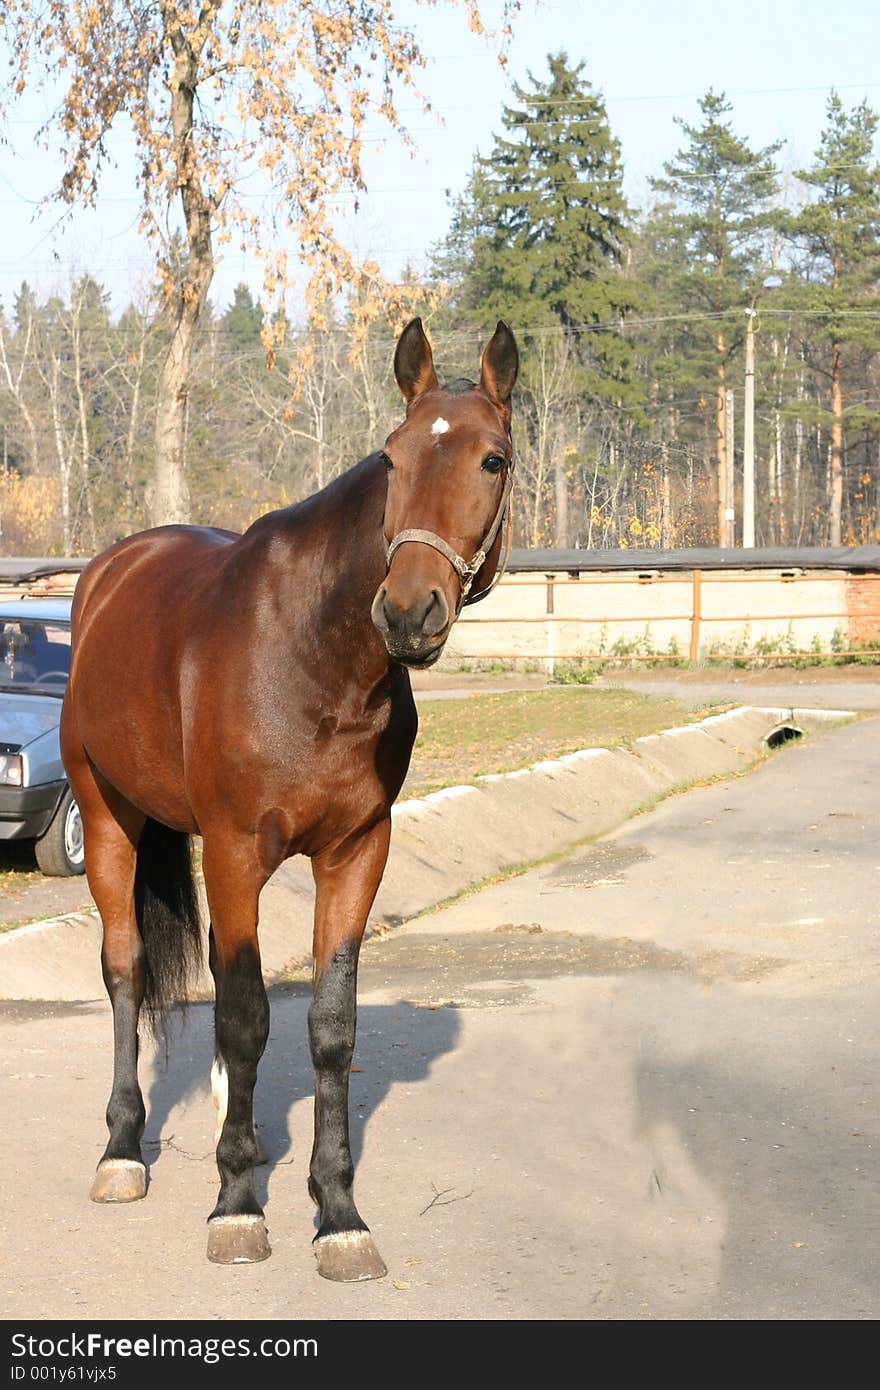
x: 852, y: 687
x: 638, y: 1084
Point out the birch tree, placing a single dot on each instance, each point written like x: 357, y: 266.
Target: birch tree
x: 272, y: 92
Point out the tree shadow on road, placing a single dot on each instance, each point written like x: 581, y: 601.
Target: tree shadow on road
x: 787, y: 1160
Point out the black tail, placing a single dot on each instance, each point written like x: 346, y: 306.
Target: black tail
x: 167, y: 909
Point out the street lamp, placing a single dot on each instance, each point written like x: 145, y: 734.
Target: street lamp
x: 772, y: 282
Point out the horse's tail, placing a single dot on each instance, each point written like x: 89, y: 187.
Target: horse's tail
x: 167, y: 910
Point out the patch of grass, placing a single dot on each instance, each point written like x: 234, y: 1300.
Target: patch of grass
x: 781, y: 650
x: 576, y: 673
x: 18, y: 867
x: 462, y: 739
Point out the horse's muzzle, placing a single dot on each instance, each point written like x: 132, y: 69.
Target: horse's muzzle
x: 414, y: 635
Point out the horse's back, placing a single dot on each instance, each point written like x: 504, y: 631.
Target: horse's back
x: 148, y: 563
x: 135, y: 607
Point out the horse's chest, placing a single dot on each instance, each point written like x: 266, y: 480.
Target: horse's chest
x: 335, y: 784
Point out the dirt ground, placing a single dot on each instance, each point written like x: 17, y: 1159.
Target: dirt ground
x: 636, y: 1084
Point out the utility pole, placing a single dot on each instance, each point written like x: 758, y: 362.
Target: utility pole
x: 729, y: 503
x: 749, y: 435
x: 772, y: 282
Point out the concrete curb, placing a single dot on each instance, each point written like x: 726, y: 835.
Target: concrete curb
x: 444, y: 843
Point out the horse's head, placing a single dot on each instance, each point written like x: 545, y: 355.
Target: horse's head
x: 449, y: 477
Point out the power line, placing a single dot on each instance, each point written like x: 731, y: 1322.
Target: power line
x: 596, y: 95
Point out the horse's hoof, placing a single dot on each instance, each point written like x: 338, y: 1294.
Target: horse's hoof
x: 349, y: 1256
x: 238, y: 1240
x: 119, y: 1180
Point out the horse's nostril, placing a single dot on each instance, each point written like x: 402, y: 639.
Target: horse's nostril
x: 436, y: 614
x: 379, y: 612
x: 412, y: 622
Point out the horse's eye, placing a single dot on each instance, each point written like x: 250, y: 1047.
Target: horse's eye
x: 493, y: 464
x: 386, y: 460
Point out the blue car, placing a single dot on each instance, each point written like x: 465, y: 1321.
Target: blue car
x: 35, y: 801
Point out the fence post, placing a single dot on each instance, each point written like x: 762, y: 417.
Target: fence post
x: 695, y: 616
x: 551, y: 629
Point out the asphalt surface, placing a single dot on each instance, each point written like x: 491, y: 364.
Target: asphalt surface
x: 861, y: 691
x: 640, y: 1083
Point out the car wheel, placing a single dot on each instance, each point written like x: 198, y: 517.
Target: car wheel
x: 59, y: 849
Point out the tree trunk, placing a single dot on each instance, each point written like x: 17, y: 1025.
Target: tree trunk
x: 170, y: 499
x: 665, y: 499
x: 720, y: 439
x: 15, y: 385
x: 85, y: 445
x: 835, y: 458
x: 369, y: 395
x: 63, y: 453
x: 133, y: 422
x: 774, y: 524
x: 560, y: 482
x: 593, y: 508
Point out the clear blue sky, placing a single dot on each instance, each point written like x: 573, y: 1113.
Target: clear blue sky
x: 777, y: 60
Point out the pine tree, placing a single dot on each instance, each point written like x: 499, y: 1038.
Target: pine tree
x: 242, y: 322
x: 542, y: 228
x: 721, y: 191
x: 840, y: 233
x: 540, y: 236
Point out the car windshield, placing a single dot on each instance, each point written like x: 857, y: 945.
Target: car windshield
x: 34, y: 655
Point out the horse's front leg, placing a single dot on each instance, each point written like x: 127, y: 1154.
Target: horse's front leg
x: 233, y: 879
x: 346, y: 881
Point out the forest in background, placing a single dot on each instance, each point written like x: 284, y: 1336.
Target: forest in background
x: 631, y: 325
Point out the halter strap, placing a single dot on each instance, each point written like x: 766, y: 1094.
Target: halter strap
x: 467, y: 573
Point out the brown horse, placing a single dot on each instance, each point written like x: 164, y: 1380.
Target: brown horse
x: 253, y: 690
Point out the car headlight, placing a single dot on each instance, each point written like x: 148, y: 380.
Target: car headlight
x: 11, y: 770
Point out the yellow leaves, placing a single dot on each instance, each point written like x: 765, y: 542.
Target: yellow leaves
x: 474, y: 20
x: 272, y: 336
x: 291, y: 87
x: 31, y: 509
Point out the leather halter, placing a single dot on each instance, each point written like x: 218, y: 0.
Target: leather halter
x: 467, y: 573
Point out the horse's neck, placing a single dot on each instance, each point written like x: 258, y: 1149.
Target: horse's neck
x: 347, y: 524
x: 328, y: 554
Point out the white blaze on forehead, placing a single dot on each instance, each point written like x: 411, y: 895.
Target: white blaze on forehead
x: 440, y: 426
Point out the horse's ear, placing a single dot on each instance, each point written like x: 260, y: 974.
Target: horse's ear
x: 414, y: 362
x: 499, y: 365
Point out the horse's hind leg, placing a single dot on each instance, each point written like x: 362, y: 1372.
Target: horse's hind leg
x: 112, y: 828
x: 233, y: 879
x: 346, y: 880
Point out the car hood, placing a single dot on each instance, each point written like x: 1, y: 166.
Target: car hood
x: 26, y: 717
